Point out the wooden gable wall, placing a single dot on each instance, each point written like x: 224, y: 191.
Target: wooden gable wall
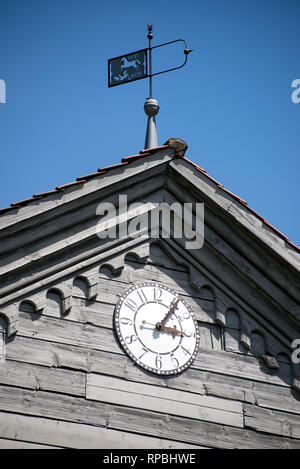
x: 66, y: 382
x: 64, y: 379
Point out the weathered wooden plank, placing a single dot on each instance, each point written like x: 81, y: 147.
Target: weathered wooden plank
x: 98, y: 314
x: 230, y: 387
x: 17, y: 374
x: 101, y: 381
x: 41, y: 352
x: 144, y: 396
x: 43, y: 432
x: 205, y: 335
x: 80, y: 334
x: 142, y: 422
x: 272, y: 421
x: 232, y: 341
x: 243, y: 366
x: 121, y: 366
x: 2, y: 342
x: 276, y: 397
x: 211, y: 336
x: 190, y: 430
x: 32, y: 376
x: 217, y: 337
x: 264, y: 394
x: 14, y: 444
x: 50, y: 405
x: 255, y: 392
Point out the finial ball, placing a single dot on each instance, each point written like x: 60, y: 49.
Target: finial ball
x: 151, y: 107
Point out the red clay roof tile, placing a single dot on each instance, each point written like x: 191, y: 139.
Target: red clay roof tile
x: 22, y: 202
x: 90, y: 176
x: 6, y: 209
x: 113, y: 166
x: 154, y: 150
x: 64, y: 186
x: 129, y: 159
x: 101, y: 171
x: 233, y: 195
x: 44, y: 194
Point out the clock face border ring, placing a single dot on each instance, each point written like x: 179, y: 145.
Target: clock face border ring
x: 123, y: 344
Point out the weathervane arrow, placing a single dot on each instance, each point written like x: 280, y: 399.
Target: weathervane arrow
x: 136, y: 66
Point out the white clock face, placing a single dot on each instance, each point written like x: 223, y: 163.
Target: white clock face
x: 157, y: 328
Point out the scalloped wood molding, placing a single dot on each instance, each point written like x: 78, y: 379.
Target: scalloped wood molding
x: 197, y: 279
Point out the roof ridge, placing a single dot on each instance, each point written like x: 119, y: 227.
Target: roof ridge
x: 179, y: 146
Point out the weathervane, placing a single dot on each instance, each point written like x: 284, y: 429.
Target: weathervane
x: 136, y: 66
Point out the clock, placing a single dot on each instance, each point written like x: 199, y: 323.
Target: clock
x: 157, y: 328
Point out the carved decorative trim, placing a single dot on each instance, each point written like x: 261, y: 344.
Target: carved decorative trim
x: 196, y: 279
x: 38, y: 297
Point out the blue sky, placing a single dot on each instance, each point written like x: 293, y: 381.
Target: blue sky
x: 231, y: 103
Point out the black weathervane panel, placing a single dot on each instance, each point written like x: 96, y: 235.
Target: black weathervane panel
x: 129, y: 67
x: 134, y: 65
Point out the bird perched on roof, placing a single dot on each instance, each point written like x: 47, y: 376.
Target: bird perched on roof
x: 177, y: 144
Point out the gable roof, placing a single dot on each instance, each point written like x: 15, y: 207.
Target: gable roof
x: 142, y: 155
x: 48, y: 238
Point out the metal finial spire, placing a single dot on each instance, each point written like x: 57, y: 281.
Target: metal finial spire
x: 151, y: 108
x: 151, y: 105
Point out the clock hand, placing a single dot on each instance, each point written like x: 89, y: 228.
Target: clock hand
x: 173, y: 330
x: 149, y: 323
x: 172, y: 308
